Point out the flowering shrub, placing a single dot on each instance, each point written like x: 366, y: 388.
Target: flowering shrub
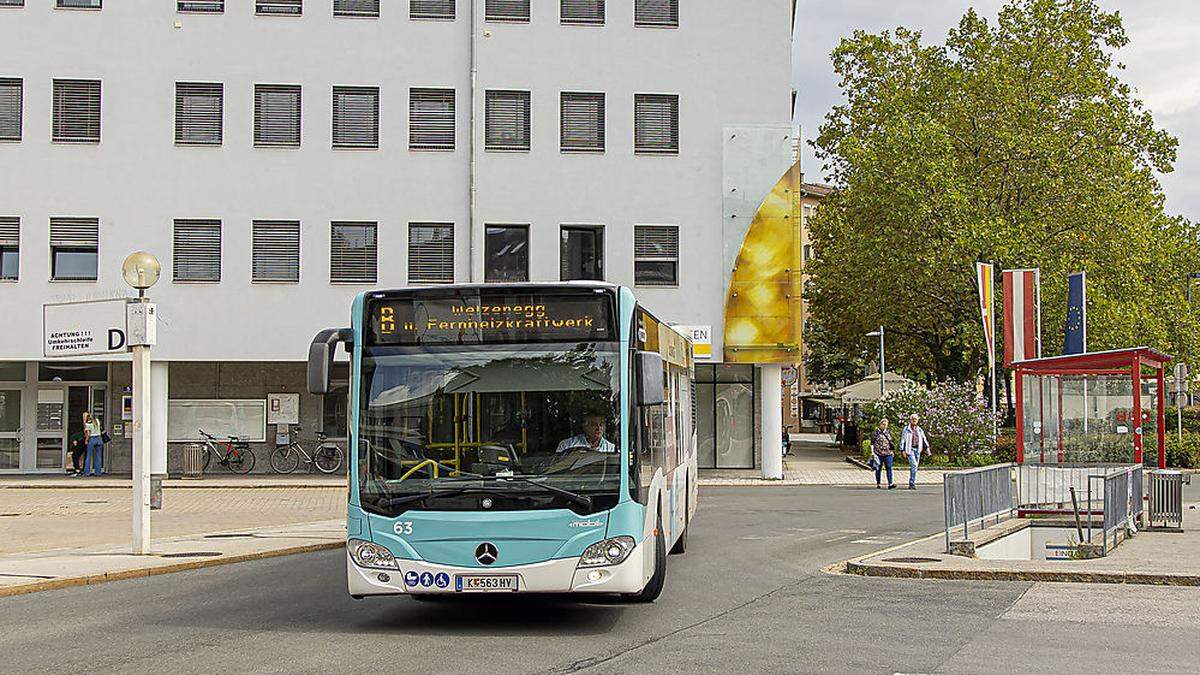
x: 955, y: 418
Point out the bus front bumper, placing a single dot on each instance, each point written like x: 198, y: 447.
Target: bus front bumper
x: 552, y: 576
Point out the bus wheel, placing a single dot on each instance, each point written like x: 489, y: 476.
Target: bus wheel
x: 681, y: 543
x: 654, y: 587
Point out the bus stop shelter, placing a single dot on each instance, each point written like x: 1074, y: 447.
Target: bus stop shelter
x: 1091, y: 408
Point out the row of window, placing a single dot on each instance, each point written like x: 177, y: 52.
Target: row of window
x: 200, y: 114
x: 649, y: 13
x: 353, y: 251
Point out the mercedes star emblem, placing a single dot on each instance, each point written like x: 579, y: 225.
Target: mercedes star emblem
x: 487, y: 553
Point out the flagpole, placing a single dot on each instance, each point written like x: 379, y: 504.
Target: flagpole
x: 992, y: 358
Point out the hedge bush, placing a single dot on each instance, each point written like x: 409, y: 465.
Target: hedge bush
x: 955, y: 419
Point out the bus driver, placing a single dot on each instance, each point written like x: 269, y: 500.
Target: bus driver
x: 592, y: 437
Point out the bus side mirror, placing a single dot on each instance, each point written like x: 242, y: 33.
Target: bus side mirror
x: 320, y: 358
x: 648, y: 376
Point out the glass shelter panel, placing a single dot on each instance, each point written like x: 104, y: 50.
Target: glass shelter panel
x: 1075, y: 419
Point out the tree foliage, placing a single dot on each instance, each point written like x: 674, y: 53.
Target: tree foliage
x: 1014, y: 142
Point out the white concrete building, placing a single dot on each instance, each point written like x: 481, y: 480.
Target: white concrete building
x: 280, y: 156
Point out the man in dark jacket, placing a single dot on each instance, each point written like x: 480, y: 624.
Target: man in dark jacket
x: 78, y: 447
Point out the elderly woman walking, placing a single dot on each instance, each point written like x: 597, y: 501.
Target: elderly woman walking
x: 881, y: 447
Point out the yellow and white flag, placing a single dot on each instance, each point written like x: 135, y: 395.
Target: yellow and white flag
x: 987, y: 308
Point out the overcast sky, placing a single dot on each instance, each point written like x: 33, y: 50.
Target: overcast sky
x: 1162, y: 59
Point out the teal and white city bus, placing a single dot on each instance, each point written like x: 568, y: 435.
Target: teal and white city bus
x: 530, y: 438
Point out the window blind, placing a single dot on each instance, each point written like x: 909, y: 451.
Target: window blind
x: 356, y: 117
x: 75, y: 232
x: 76, y: 114
x: 353, y: 254
x: 656, y: 255
x: 431, y: 9
x: 431, y: 253
x: 10, y: 231
x: 582, y: 12
x: 279, y: 7
x: 276, y: 250
x: 10, y: 109
x: 656, y: 123
x: 506, y: 10
x: 506, y: 120
x: 199, y: 108
x: 431, y: 119
x: 656, y: 13
x: 368, y: 8
x: 213, y: 6
x: 197, y: 250
x: 277, y: 115
x: 582, y: 122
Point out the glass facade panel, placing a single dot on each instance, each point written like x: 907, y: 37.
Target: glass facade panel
x: 49, y: 453
x: 735, y: 426
x: 10, y: 410
x: 10, y: 453
x: 706, y: 439
x: 72, y: 372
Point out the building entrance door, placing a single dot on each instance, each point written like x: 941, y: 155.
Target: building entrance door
x: 51, y: 438
x: 10, y: 429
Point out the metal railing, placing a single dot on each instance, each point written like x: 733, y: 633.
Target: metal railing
x: 975, y: 496
x: 1046, y: 488
x: 1123, y: 505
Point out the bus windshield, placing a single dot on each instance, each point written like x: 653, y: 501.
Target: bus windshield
x: 490, y: 427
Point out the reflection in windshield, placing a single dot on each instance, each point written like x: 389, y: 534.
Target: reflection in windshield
x: 501, y: 428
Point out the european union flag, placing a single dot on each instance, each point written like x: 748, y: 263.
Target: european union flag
x: 1076, y: 339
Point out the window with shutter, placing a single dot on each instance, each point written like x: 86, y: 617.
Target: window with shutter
x: 353, y: 254
x: 10, y: 108
x: 10, y: 247
x: 581, y: 117
x: 581, y: 253
x: 12, y: 3
x: 506, y: 120
x: 516, y: 11
x: 74, y: 248
x: 206, y: 6
x: 506, y: 253
x: 582, y: 12
x: 368, y: 8
x: 277, y: 115
x: 79, y: 4
x: 199, y: 108
x: 656, y: 124
x: 197, y: 250
x: 431, y: 9
x: 430, y: 253
x: 76, y: 114
x: 431, y: 119
x: 656, y: 13
x: 356, y: 117
x: 275, y: 254
x: 656, y: 255
x: 279, y: 7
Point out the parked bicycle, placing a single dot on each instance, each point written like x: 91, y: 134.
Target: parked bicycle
x: 234, y: 454
x: 327, y: 458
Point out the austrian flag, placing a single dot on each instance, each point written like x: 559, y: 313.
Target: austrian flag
x: 1022, y: 315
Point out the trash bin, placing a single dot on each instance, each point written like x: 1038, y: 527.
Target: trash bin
x: 193, y: 460
x: 1166, y: 499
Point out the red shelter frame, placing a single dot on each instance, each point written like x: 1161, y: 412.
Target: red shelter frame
x: 1135, y: 362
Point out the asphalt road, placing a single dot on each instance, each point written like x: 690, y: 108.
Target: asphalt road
x: 749, y: 596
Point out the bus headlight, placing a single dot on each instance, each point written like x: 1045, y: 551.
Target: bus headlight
x: 367, y: 554
x: 608, y: 552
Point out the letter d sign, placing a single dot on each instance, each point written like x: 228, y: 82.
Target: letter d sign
x: 116, y: 339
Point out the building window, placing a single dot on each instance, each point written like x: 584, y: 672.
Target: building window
x: 656, y: 255
x: 356, y: 117
x: 10, y: 248
x: 76, y: 116
x: 656, y: 13
x: 581, y: 253
x: 581, y: 116
x: 656, y: 124
x: 364, y: 8
x: 431, y: 119
x: 506, y: 253
x: 725, y: 403
x: 353, y: 254
x: 206, y: 6
x: 277, y: 115
x: 516, y: 11
x: 74, y: 248
x: 506, y: 120
x: 430, y: 253
x: 199, y: 111
x: 808, y: 252
x: 78, y: 4
x: 431, y: 9
x: 12, y: 3
x: 197, y: 253
x: 582, y: 12
x: 279, y: 7
x: 10, y: 109
x: 276, y: 251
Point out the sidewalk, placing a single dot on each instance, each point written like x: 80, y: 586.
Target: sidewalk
x: 816, y: 460
x: 63, y: 481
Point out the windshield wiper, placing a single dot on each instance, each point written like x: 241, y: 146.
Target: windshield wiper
x: 582, y: 500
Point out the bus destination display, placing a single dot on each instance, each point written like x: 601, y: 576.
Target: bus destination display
x: 479, y: 319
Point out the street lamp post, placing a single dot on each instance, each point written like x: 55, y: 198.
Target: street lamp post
x: 141, y: 271
x: 882, y: 368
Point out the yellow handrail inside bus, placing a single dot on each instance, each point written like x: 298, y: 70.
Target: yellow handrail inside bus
x: 420, y: 466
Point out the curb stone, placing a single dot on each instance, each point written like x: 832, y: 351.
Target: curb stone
x: 897, y: 572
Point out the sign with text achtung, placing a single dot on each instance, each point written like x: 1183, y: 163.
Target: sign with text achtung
x: 84, y: 327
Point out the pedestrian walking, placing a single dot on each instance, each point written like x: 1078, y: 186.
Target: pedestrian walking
x: 95, y: 446
x: 913, y: 444
x: 881, y: 447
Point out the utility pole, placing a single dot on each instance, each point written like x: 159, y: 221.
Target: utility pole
x: 141, y: 271
x: 882, y: 365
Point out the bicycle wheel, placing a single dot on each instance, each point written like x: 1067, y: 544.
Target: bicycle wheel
x: 328, y: 459
x: 208, y: 454
x: 241, y: 460
x: 285, y: 459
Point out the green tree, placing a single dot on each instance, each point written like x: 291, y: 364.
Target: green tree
x: 1015, y: 142
x: 825, y: 361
